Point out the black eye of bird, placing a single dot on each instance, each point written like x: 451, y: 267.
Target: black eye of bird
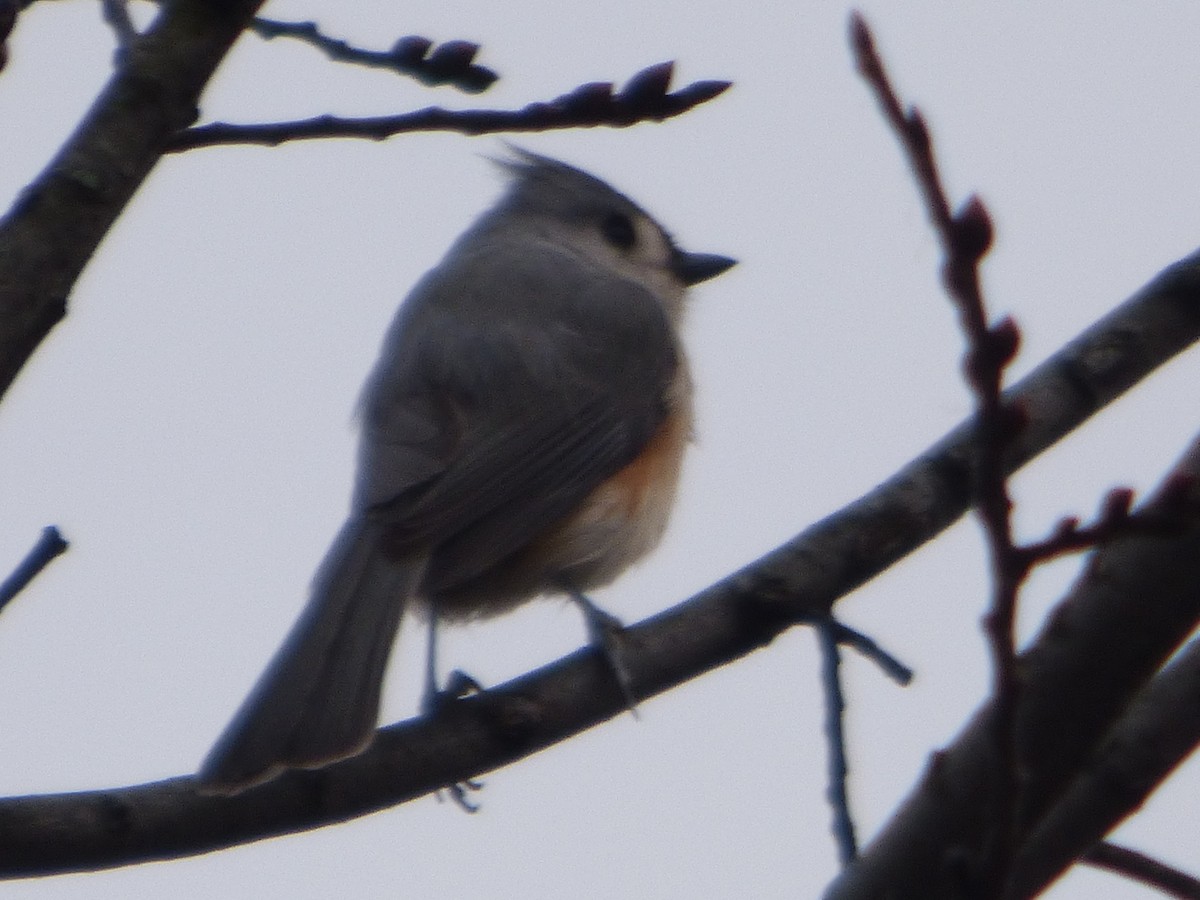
x: 618, y: 230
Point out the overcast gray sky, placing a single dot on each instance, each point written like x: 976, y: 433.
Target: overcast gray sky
x: 189, y: 426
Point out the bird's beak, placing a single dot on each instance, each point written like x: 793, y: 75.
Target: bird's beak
x: 693, y: 268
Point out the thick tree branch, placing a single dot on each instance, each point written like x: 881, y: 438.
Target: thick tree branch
x: 935, y: 845
x: 1158, y: 732
x: 798, y: 582
x: 8, y: 18
x: 56, y: 224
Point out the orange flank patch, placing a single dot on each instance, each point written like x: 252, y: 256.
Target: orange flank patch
x: 656, y: 468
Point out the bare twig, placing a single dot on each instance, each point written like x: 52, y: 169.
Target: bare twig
x: 645, y: 98
x: 49, y: 545
x: 848, y: 637
x: 835, y: 738
x: 1144, y: 869
x: 966, y: 236
x: 831, y: 636
x: 450, y: 63
x: 1114, y: 520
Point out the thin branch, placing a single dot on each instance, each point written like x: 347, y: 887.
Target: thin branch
x: 798, y: 581
x: 966, y: 237
x: 49, y: 546
x: 831, y: 636
x: 835, y: 738
x: 1143, y: 869
x: 1115, y: 519
x: 868, y: 648
x: 450, y: 63
x: 646, y: 97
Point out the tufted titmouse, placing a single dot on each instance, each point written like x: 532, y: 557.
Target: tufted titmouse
x: 522, y: 434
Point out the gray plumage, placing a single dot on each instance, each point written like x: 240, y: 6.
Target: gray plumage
x: 534, y: 363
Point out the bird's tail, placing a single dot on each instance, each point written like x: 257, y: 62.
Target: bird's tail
x: 318, y: 700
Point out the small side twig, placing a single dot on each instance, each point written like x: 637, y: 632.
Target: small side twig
x: 835, y: 735
x: 646, y: 97
x: 49, y: 545
x: 831, y: 636
x: 867, y: 647
x: 450, y: 63
x: 1143, y: 869
x: 1169, y: 514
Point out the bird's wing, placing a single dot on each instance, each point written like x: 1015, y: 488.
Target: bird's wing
x: 495, y: 412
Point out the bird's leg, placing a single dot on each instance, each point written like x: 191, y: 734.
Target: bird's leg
x: 459, y: 684
x: 604, y: 633
x: 431, y: 695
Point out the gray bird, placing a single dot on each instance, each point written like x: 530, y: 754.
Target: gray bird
x: 522, y: 435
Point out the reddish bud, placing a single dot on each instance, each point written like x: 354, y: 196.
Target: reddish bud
x: 973, y: 230
x: 860, y: 35
x: 1005, y: 339
x: 1066, y: 528
x: 592, y: 99
x: 452, y: 56
x: 411, y: 50
x: 918, y: 131
x: 649, y: 84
